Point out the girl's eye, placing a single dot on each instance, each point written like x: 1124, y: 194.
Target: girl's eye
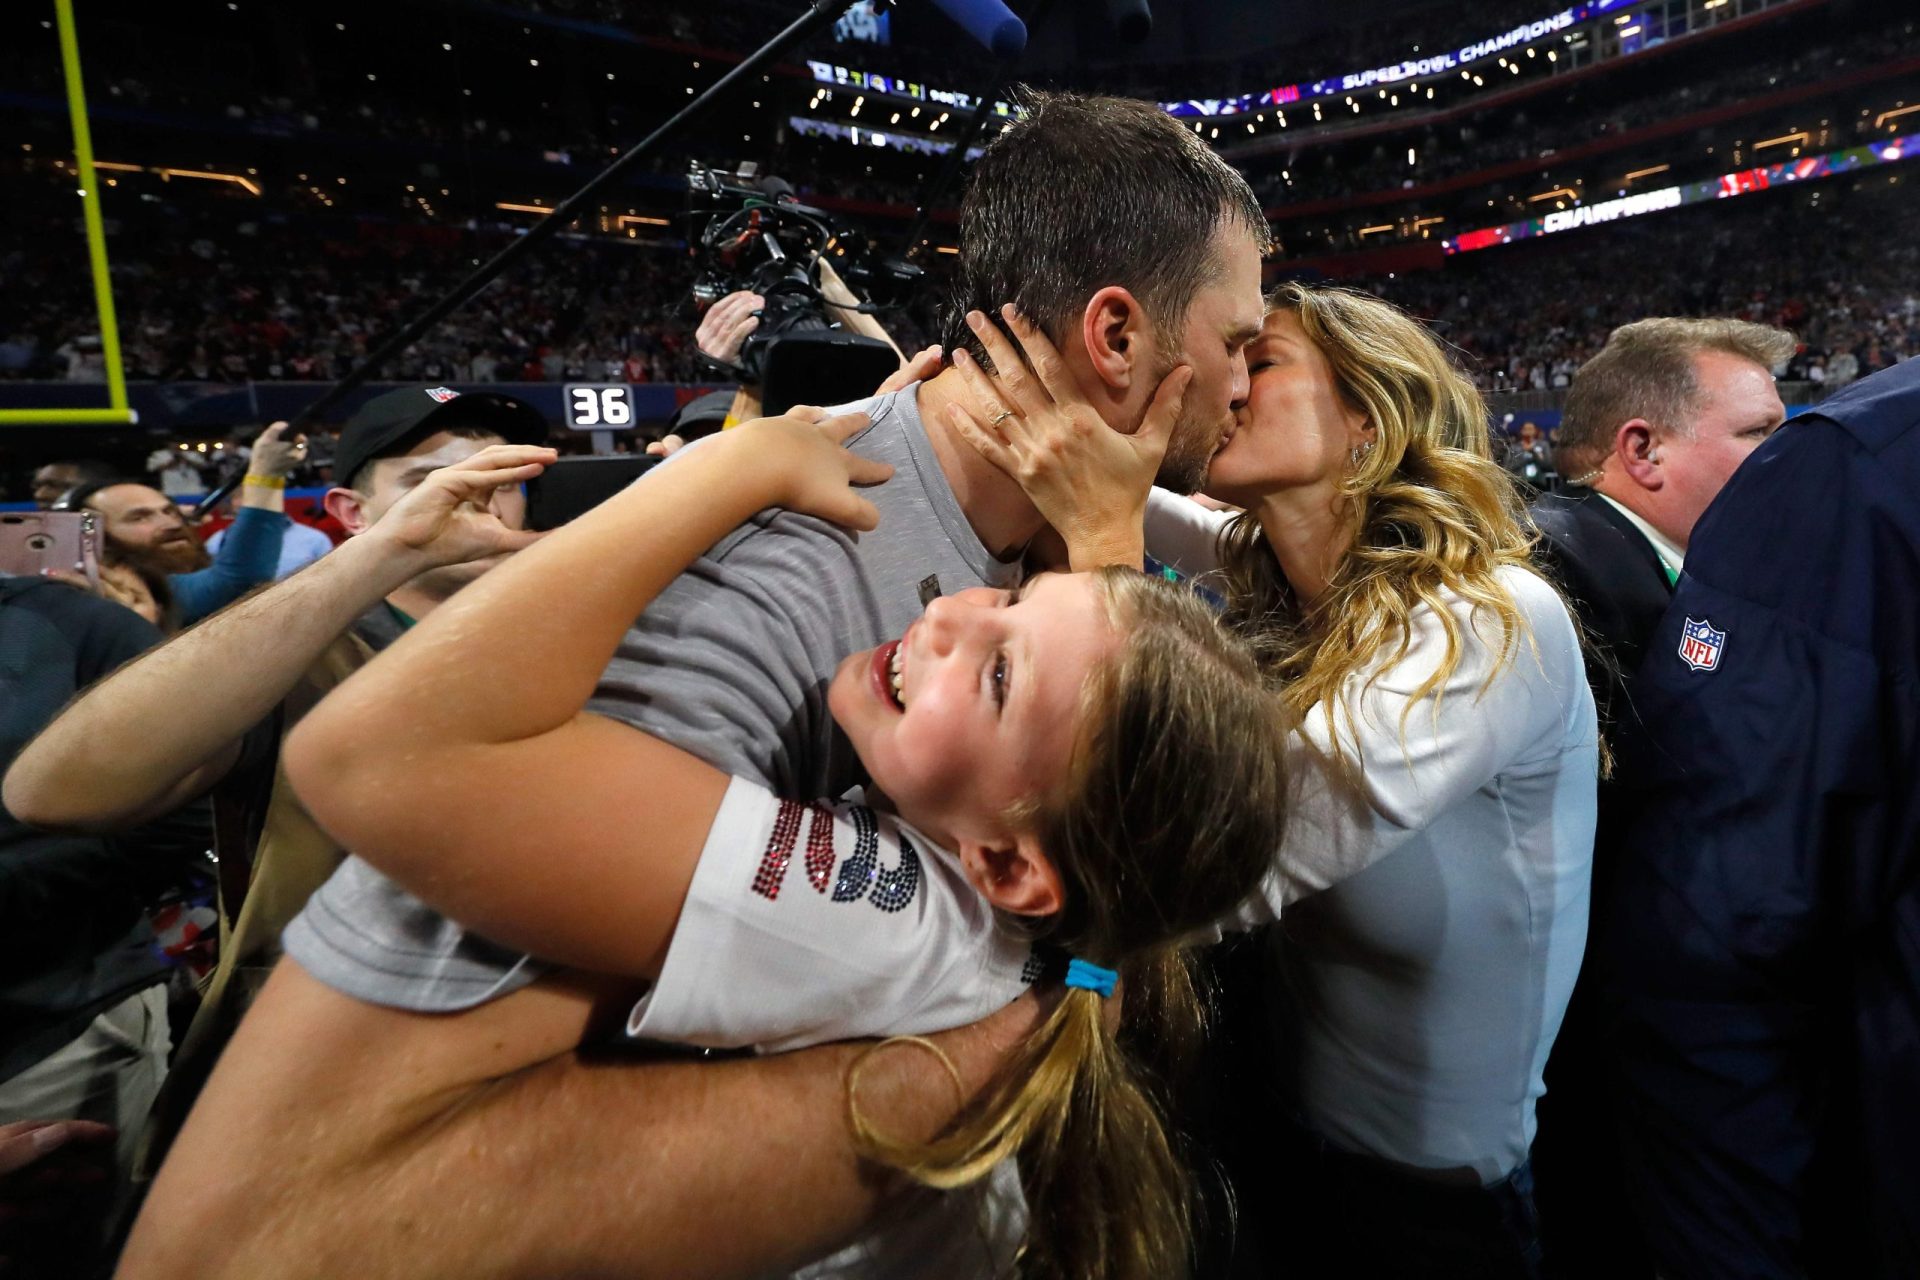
x: 1000, y: 681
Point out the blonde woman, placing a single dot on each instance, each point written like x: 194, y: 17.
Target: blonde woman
x: 1435, y: 868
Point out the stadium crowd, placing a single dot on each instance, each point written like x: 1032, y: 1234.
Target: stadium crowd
x: 1528, y: 315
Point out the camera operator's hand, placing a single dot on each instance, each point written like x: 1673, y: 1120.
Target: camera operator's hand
x: 803, y: 458
x: 727, y: 325
x: 452, y: 517
x: 918, y: 367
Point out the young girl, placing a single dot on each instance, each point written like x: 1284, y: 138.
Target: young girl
x: 1089, y: 759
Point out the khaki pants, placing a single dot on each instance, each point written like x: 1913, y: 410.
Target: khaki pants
x: 110, y: 1073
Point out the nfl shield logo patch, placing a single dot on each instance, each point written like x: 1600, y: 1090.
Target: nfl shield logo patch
x: 441, y: 395
x: 1701, y: 645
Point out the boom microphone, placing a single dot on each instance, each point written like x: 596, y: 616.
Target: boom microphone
x: 990, y: 22
x: 1132, y: 20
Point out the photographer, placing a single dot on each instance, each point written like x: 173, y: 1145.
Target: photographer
x: 431, y: 499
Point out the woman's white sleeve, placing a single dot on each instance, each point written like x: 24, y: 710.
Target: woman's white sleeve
x: 1417, y: 758
x: 1183, y: 534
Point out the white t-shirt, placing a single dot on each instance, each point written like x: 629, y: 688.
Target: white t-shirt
x: 810, y: 923
x: 1436, y: 914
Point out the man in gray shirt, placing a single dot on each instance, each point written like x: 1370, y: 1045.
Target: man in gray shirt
x: 732, y: 663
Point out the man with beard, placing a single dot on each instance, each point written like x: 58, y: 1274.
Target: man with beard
x: 145, y: 530
x: 430, y: 502
x: 406, y: 1094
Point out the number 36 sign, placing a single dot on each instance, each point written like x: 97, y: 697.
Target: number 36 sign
x: 599, y: 406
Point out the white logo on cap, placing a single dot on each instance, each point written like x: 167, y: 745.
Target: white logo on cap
x: 442, y: 394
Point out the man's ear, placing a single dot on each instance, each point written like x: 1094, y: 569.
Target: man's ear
x: 1637, y: 445
x: 1114, y: 329
x: 1014, y: 876
x: 349, y: 507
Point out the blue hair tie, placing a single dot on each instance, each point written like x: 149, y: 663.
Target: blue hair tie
x: 1091, y: 977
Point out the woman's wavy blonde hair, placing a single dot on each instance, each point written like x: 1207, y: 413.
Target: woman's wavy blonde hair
x: 1429, y: 510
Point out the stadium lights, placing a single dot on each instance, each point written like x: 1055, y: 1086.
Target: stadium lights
x: 1477, y: 80
x: 1553, y: 55
x: 1647, y: 173
x: 1623, y: 20
x: 1368, y: 231
x: 1629, y: 31
x: 521, y: 208
x: 1548, y: 195
x: 1885, y: 116
x: 1802, y: 137
x: 252, y: 188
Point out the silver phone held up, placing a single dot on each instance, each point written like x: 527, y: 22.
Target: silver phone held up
x: 33, y: 543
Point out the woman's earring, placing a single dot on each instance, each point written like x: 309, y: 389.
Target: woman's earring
x: 1358, y: 454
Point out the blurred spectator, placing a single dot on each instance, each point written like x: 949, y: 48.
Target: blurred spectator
x: 87, y: 1035
x: 144, y: 529
x: 55, y: 480
x: 1528, y: 458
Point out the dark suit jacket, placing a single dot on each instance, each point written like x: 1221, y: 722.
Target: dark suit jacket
x: 1617, y: 586
x: 1614, y: 579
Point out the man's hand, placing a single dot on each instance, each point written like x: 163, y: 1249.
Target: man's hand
x: 447, y: 519
x: 55, y: 1176
x: 727, y: 325
x: 275, y: 455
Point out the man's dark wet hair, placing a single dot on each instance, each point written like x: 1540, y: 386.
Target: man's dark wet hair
x: 1086, y: 192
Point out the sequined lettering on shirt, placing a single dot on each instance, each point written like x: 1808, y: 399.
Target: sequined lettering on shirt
x: 820, y: 849
x: 773, y: 864
x: 893, y: 887
x: 856, y: 873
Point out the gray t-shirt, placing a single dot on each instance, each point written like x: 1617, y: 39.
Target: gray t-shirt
x: 732, y: 663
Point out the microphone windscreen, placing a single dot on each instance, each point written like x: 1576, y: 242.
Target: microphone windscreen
x: 990, y: 22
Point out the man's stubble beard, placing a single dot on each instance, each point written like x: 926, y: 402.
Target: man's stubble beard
x: 1190, y: 449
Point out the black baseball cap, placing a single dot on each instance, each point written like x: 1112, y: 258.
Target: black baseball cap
x: 702, y: 415
x: 387, y: 423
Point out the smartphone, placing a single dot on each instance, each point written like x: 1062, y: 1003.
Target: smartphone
x: 36, y: 542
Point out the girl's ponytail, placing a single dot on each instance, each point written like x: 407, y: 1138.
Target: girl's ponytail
x: 1107, y: 1196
